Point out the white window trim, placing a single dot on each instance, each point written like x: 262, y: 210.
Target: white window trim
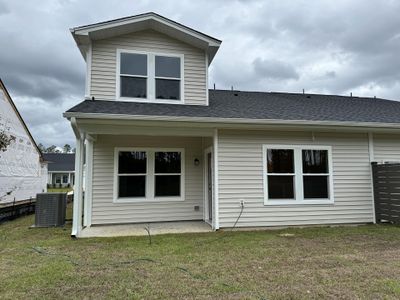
x: 150, y: 176
x: 298, y: 176
x: 151, y: 78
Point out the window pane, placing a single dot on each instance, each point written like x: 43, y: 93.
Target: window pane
x: 280, y: 161
x: 168, y: 66
x: 133, y: 87
x: 65, y: 178
x: 315, y: 187
x: 167, y: 162
x: 133, y: 64
x: 315, y: 161
x: 168, y: 89
x: 133, y: 162
x: 280, y: 187
x: 167, y: 185
x: 132, y: 186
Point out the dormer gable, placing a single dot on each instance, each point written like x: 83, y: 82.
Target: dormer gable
x: 146, y: 58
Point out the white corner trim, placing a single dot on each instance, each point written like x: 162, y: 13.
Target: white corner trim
x: 216, y: 181
x: 150, y: 175
x: 88, y: 71
x: 371, y: 159
x: 298, y: 176
x: 371, y: 146
x: 207, y: 83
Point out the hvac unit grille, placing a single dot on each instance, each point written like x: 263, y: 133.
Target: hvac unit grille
x: 50, y: 209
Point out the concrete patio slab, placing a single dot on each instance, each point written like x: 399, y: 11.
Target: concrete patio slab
x: 139, y: 229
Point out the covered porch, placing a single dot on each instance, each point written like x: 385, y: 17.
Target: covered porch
x: 142, y: 229
x: 155, y: 176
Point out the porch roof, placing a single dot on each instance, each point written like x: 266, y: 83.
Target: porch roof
x: 240, y: 105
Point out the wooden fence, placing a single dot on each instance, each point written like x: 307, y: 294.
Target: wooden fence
x: 386, y: 178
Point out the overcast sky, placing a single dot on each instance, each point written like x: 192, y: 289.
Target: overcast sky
x: 334, y: 47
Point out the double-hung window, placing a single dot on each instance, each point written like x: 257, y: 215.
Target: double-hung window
x: 297, y: 175
x: 149, y: 77
x: 148, y: 174
x: 168, y: 77
x: 133, y: 75
x: 131, y: 174
x: 167, y: 174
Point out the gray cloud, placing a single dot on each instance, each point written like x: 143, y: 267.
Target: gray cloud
x: 274, y: 69
x: 3, y: 8
x: 334, y: 46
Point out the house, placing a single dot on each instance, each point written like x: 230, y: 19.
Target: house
x: 23, y: 170
x: 61, y: 169
x: 160, y: 146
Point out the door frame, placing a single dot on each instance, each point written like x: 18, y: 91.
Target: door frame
x: 205, y: 184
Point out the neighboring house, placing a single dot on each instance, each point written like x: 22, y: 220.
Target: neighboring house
x: 23, y: 171
x: 160, y: 146
x: 61, y: 169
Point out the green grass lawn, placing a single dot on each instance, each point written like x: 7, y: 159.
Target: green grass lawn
x: 340, y: 262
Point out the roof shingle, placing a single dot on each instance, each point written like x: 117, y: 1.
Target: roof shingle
x: 261, y: 105
x: 60, y: 161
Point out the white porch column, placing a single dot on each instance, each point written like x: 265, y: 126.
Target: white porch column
x: 78, y: 201
x: 87, y: 216
x: 216, y: 182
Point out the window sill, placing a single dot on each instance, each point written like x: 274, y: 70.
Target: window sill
x: 147, y: 100
x: 148, y: 200
x: 298, y: 202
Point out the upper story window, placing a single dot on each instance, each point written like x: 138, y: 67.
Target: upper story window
x: 133, y: 72
x: 150, y: 77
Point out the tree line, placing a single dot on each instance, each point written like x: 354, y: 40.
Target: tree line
x: 7, y: 139
x: 54, y: 149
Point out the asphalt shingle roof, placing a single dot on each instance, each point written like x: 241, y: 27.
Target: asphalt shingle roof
x: 60, y: 161
x: 261, y: 105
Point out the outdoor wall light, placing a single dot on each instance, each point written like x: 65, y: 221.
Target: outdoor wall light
x: 196, y: 161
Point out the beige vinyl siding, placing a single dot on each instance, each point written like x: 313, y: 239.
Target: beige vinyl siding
x: 241, y: 177
x: 103, y: 67
x: 106, y: 212
x: 386, y: 147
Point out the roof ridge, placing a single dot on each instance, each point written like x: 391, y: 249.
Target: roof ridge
x: 303, y: 94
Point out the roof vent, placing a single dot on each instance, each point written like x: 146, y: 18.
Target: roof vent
x: 308, y: 96
x: 236, y: 94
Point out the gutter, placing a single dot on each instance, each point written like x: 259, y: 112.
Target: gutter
x: 74, y: 115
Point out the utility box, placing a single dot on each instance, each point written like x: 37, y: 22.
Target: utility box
x: 50, y: 209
